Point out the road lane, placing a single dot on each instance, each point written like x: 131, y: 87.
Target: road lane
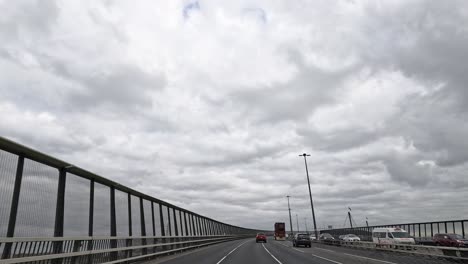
x: 282, y: 252
x: 351, y: 255
x: 290, y: 255
x: 251, y: 252
x: 210, y: 254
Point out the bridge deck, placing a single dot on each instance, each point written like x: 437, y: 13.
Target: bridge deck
x: 282, y: 252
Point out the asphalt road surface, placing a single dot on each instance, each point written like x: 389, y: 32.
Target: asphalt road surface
x: 281, y: 252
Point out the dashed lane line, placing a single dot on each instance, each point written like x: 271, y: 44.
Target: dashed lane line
x: 333, y: 261
x: 221, y: 260
x: 317, y: 256
x: 271, y: 254
x: 329, y: 250
x: 291, y: 247
x: 383, y: 261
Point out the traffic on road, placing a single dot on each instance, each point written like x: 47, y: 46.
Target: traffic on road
x: 283, y: 252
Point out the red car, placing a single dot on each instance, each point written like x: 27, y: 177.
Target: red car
x: 260, y: 237
x: 450, y: 240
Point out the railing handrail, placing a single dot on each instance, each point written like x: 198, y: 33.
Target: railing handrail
x: 32, y: 154
x: 94, y: 238
x: 109, y: 250
x: 404, y: 224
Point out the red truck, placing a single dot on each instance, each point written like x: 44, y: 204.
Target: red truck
x: 280, y: 231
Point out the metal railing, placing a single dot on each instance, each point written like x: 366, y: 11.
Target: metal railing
x: 69, y: 210
x: 431, y: 251
x: 423, y: 232
x: 77, y: 250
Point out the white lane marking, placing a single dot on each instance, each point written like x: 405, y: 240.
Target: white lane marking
x: 324, y: 249
x: 283, y: 245
x: 326, y: 259
x: 298, y: 250
x: 291, y: 247
x: 383, y: 261
x: 231, y: 252
x: 271, y: 254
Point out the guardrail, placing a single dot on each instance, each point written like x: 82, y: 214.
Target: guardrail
x: 101, y: 249
x: 420, y: 231
x: 55, y: 202
x: 432, y: 251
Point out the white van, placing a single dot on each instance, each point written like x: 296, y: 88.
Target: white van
x: 391, y: 236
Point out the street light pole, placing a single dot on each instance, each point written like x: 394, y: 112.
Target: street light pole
x: 290, y: 219
x: 310, y: 193
x: 297, y: 222
x: 305, y: 221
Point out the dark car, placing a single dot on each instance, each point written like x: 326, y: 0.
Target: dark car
x: 260, y: 237
x: 301, y: 239
x: 450, y: 240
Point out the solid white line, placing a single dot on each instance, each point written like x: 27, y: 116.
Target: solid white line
x: 231, y: 252
x: 370, y: 258
x: 326, y: 259
x: 271, y: 254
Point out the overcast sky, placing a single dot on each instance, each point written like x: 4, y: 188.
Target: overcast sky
x: 207, y: 104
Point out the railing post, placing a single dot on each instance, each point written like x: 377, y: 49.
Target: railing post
x: 190, y: 224
x: 205, y: 233
x: 59, y: 214
x: 200, y: 232
x: 195, y: 218
x: 153, y: 225
x: 14, y: 206
x: 129, y: 242
x: 169, y: 220
x: 152, y: 218
x: 186, y: 225
x: 193, y: 225
x: 208, y: 227
x: 176, y: 229
x: 161, y: 219
x: 91, y: 219
x: 143, y: 226
x: 113, y: 223
x: 181, y: 224
x: 463, y: 228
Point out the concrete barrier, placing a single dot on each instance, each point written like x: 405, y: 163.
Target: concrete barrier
x: 445, y: 252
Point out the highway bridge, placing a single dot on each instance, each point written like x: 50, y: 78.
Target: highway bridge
x: 52, y: 211
x: 282, y: 252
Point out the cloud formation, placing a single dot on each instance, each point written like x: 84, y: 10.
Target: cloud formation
x: 207, y: 105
